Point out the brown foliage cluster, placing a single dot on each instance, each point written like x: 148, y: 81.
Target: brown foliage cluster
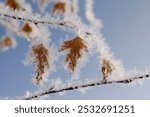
x: 59, y: 7
x: 74, y: 46
x: 26, y: 28
x: 6, y: 42
x: 41, y: 54
x: 107, y: 68
x: 14, y: 5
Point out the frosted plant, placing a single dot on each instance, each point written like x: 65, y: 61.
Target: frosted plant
x: 41, y: 60
x: 6, y: 43
x: 60, y: 7
x: 107, y: 68
x: 19, y: 18
x: 14, y: 5
x: 75, y: 46
x: 26, y: 28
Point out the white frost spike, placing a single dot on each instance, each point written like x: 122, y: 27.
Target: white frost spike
x: 57, y: 83
x: 25, y: 5
x: 62, y: 93
x: 27, y: 94
x: 140, y: 82
x: 82, y: 90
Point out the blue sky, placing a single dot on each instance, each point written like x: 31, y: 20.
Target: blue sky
x: 126, y: 27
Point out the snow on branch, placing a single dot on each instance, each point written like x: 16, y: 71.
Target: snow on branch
x: 90, y: 84
x: 36, y: 19
x: 90, y: 16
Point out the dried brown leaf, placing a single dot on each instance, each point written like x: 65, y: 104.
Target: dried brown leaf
x: 26, y: 28
x: 75, y: 46
x: 6, y: 42
x: 107, y: 68
x: 41, y: 54
x: 59, y: 7
x: 14, y: 5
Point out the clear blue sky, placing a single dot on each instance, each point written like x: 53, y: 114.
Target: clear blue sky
x: 126, y: 27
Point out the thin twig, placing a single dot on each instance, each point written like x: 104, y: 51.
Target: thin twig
x: 50, y: 22
x: 18, y: 18
x: 52, y: 91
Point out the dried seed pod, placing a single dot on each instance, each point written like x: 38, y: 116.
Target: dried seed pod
x: 107, y: 68
x: 14, y: 5
x: 41, y: 60
x: 75, y: 46
x: 59, y: 7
